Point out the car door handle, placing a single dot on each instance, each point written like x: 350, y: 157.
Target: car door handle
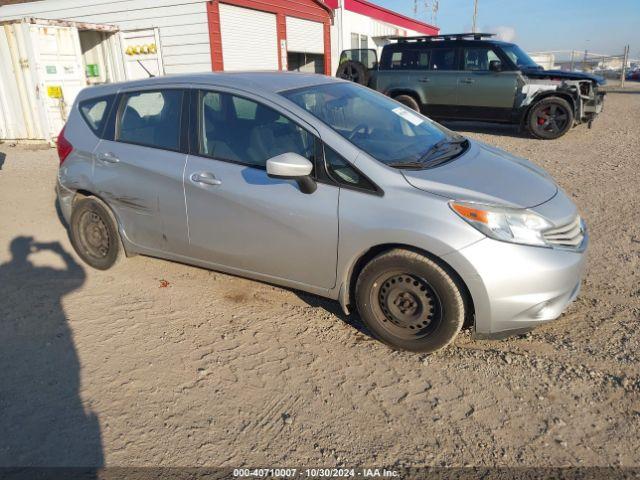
x: 206, y: 178
x: 424, y: 80
x: 467, y: 81
x: 108, y: 157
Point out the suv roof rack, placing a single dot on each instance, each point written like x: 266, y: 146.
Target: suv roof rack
x: 450, y: 36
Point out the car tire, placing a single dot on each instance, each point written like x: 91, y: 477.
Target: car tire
x: 409, y: 301
x: 94, y: 233
x: 408, y: 101
x: 550, y: 118
x: 353, y: 71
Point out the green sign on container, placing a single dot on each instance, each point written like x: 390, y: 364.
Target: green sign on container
x: 92, y: 70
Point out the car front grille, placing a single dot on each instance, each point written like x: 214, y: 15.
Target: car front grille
x: 570, y: 235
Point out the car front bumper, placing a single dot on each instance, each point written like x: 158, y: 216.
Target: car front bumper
x: 516, y: 287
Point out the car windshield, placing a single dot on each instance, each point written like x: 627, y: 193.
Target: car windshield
x: 386, y: 130
x: 519, y: 56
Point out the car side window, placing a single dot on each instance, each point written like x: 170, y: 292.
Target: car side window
x: 343, y: 173
x: 477, y: 59
x: 240, y: 130
x: 442, y: 59
x: 151, y: 118
x: 95, y: 112
x: 409, y: 59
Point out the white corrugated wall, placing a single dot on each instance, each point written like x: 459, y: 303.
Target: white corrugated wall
x: 184, y: 33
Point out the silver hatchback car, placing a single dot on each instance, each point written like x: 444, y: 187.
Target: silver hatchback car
x: 325, y: 186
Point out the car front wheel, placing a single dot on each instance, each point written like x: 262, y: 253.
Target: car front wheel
x: 550, y: 118
x: 409, y: 301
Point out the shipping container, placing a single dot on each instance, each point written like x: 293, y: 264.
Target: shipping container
x: 43, y: 66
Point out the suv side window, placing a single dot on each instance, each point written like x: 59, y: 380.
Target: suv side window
x: 343, y: 173
x: 407, y: 59
x: 443, y: 59
x: 151, y: 118
x: 243, y: 131
x: 95, y: 112
x: 477, y: 59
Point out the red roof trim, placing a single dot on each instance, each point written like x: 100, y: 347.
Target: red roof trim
x: 380, y: 13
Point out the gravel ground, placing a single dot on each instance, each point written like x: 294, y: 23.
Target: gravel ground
x: 156, y: 363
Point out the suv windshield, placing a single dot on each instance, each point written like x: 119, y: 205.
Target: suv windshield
x: 386, y: 130
x: 519, y: 56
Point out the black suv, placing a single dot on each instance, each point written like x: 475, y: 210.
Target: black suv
x: 473, y: 77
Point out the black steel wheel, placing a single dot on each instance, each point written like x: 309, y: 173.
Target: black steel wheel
x: 94, y: 233
x: 550, y: 118
x: 411, y: 307
x: 409, y: 301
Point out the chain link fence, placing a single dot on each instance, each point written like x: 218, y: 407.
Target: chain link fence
x: 617, y: 69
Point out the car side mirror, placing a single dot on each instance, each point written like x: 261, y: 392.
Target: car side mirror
x: 292, y: 166
x: 495, y: 65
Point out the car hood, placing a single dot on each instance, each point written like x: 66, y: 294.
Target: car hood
x: 486, y: 174
x: 541, y: 73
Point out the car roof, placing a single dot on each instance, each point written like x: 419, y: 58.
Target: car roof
x: 258, y: 82
x: 447, y: 42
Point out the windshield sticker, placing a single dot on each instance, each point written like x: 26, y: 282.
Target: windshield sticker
x: 408, y: 116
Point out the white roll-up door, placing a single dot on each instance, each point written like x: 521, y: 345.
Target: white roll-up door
x: 305, y: 36
x: 249, y: 39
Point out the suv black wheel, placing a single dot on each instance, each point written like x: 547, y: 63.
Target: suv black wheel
x: 408, y: 101
x: 550, y: 118
x: 409, y: 301
x: 353, y: 71
x: 94, y: 233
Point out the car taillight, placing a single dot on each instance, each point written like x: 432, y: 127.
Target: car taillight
x: 64, y: 146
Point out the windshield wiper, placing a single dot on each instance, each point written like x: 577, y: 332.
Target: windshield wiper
x: 445, y: 149
x: 407, y: 165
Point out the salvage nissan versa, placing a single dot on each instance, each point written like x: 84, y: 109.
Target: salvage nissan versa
x: 325, y: 186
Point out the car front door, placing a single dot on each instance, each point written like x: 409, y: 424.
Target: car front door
x: 483, y: 93
x: 138, y: 170
x: 242, y: 219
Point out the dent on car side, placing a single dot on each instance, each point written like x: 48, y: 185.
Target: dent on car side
x: 410, y: 210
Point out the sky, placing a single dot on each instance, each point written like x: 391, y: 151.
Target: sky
x: 600, y: 26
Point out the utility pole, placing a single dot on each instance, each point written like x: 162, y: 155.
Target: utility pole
x: 475, y: 16
x: 572, y: 60
x: 625, y: 59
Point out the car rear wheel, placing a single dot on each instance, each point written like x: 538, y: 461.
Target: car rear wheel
x: 408, y: 101
x: 409, y: 301
x: 550, y: 118
x: 94, y: 233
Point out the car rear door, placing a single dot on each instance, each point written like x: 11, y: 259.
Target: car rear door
x: 138, y: 168
x: 436, y: 78
x: 482, y: 93
x: 240, y: 219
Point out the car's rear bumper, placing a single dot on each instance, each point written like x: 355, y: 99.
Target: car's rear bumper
x: 65, y: 200
x: 515, y: 287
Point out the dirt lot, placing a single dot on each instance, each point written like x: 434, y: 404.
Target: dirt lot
x: 156, y: 363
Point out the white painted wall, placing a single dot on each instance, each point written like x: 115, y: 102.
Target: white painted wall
x: 184, y: 33
x: 347, y: 22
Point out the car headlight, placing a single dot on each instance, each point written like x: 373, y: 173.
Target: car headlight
x: 506, y: 224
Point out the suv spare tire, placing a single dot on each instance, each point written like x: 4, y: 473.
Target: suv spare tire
x: 353, y: 71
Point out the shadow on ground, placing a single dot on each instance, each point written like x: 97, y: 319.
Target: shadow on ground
x: 503, y: 130
x: 3, y: 156
x: 43, y: 421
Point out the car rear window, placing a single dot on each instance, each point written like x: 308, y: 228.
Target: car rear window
x: 95, y: 112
